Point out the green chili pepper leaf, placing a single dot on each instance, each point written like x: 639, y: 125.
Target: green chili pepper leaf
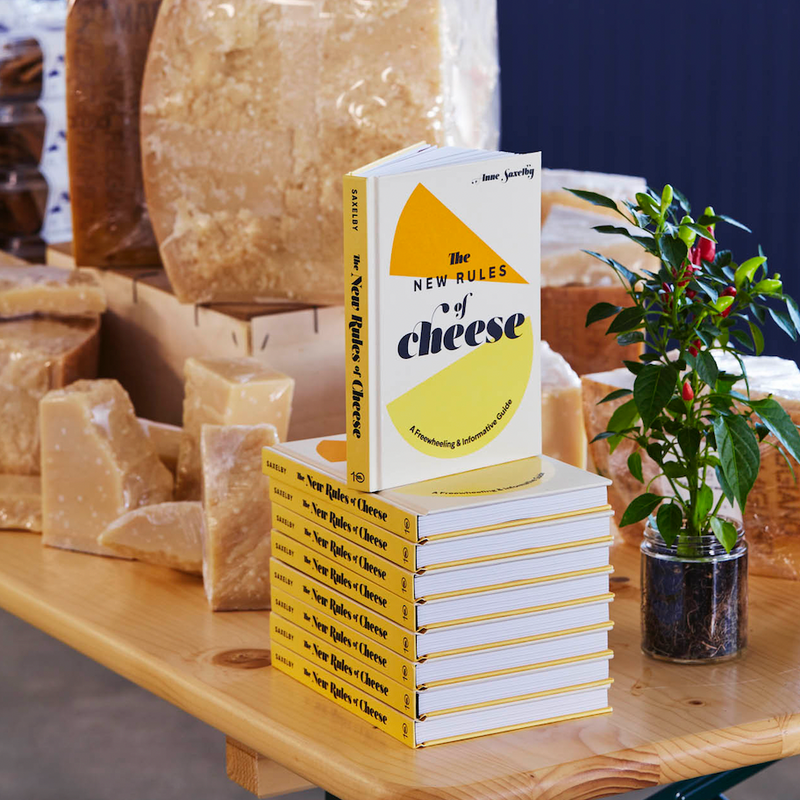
x: 601, y: 311
x: 594, y: 198
x: 640, y: 508
x: 670, y: 521
x: 635, y: 466
x: 653, y: 389
x: 780, y: 424
x: 725, y: 532
x: 738, y: 452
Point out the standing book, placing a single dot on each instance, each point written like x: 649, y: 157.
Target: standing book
x: 442, y: 313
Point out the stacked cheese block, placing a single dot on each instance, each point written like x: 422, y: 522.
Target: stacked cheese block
x: 572, y: 280
x: 446, y: 609
x: 49, y: 331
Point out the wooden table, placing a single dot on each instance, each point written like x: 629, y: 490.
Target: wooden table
x: 153, y: 626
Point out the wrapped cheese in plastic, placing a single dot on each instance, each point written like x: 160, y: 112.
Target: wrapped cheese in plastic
x: 252, y: 112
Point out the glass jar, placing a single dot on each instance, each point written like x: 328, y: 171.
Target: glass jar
x: 694, y: 599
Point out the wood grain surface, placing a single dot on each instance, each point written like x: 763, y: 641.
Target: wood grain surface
x: 260, y: 775
x: 670, y: 722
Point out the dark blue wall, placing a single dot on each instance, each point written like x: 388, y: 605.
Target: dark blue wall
x: 703, y: 95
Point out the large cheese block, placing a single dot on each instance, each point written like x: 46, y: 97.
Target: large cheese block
x: 253, y: 111
x: 166, y: 534
x: 563, y: 432
x: 37, y: 355
x: 166, y: 439
x: 615, y: 465
x: 555, y: 183
x: 227, y: 391
x: 49, y: 290
x: 772, y: 514
x: 568, y: 232
x: 237, y: 510
x: 106, y: 47
x: 97, y: 464
x: 20, y: 503
x: 564, y: 310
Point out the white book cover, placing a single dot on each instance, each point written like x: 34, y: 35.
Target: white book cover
x: 442, y: 303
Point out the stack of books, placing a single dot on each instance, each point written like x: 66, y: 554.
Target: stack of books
x: 445, y: 609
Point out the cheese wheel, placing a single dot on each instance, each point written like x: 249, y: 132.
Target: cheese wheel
x: 252, y: 112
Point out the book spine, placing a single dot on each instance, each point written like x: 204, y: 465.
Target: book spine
x: 344, y: 695
x: 356, y: 308
x: 343, y: 666
x: 331, y: 574
x: 366, y: 564
x: 295, y: 506
x: 285, y: 580
x: 375, y: 655
x: 365, y: 506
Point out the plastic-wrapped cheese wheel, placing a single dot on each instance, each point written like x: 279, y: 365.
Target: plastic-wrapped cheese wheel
x: 252, y: 112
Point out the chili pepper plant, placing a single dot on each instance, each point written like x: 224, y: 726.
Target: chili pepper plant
x: 691, y: 417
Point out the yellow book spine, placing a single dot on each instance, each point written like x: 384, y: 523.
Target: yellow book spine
x: 366, y: 564
x: 344, y: 695
x: 344, y: 666
x: 365, y: 534
x: 349, y: 583
x: 363, y: 504
x: 356, y: 310
x: 322, y: 598
x: 303, y: 616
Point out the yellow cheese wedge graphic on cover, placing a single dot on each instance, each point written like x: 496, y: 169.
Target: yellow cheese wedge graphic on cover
x: 460, y: 409
x: 430, y: 241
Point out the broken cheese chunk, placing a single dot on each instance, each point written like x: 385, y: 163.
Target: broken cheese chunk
x: 49, y: 290
x: 20, y: 503
x: 97, y: 463
x: 227, y: 391
x: 236, y: 503
x: 555, y: 183
x: 166, y: 534
x: 37, y: 355
x: 563, y: 433
x: 251, y: 112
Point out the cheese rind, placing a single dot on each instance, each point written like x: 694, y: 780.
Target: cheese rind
x: 252, y: 112
x: 237, y: 508
x: 97, y: 463
x: 20, y: 503
x: 563, y: 432
x: 49, y: 290
x: 615, y: 465
x: 37, y: 355
x: 166, y: 534
x: 227, y: 391
x: 555, y: 183
x: 569, y: 232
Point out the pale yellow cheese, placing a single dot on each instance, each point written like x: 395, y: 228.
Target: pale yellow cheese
x: 20, y: 503
x: 555, y: 183
x: 253, y: 111
x: 37, y: 355
x: 49, y: 290
x: 166, y: 534
x: 563, y: 432
x: 97, y: 463
x: 568, y: 232
x: 227, y: 391
x: 237, y: 510
x: 166, y: 439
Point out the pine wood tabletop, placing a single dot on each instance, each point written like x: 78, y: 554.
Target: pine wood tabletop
x: 153, y: 626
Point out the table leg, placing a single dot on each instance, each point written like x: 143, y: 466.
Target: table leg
x: 259, y: 775
x: 708, y: 787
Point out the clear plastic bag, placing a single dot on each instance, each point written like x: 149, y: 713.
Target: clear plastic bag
x: 252, y: 112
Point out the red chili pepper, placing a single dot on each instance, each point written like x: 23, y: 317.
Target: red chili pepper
x: 687, y: 393
x: 694, y: 254
x: 708, y: 249
x: 691, y: 294
x: 692, y: 349
x: 728, y: 291
x: 726, y: 311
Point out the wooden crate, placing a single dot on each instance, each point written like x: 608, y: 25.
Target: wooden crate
x: 147, y: 335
